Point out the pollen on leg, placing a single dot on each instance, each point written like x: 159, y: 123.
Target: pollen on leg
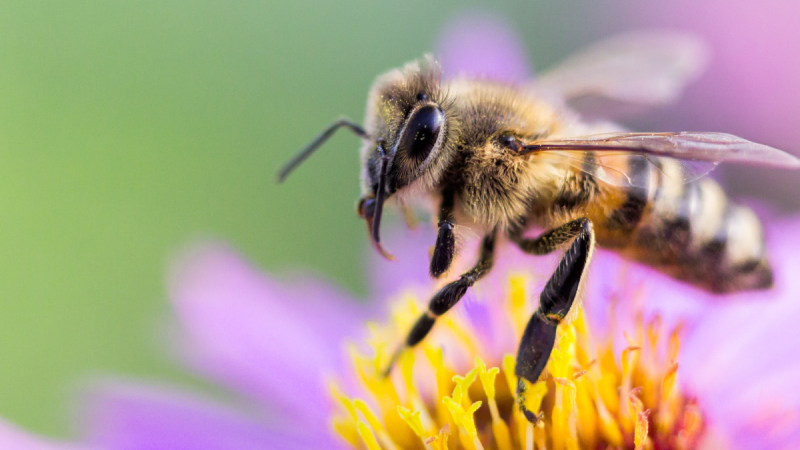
x: 452, y: 393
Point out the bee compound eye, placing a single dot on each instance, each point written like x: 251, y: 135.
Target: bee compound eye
x: 510, y: 142
x: 422, y: 132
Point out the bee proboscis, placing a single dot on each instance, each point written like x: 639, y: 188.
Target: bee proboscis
x: 506, y: 158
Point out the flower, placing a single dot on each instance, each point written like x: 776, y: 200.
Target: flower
x: 286, y: 348
x: 590, y: 398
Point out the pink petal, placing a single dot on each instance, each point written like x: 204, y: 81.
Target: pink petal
x: 742, y: 359
x: 409, y: 270
x: 136, y: 417
x: 480, y: 44
x: 12, y: 437
x: 274, y: 341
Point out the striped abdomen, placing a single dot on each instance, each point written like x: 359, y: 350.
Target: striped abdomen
x: 691, y: 231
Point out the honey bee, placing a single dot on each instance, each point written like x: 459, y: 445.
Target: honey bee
x: 504, y: 159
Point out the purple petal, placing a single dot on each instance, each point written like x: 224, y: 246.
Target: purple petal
x: 275, y: 342
x: 620, y: 289
x: 409, y: 270
x: 15, y: 438
x: 758, y: 324
x: 742, y: 359
x: 135, y: 417
x: 480, y: 44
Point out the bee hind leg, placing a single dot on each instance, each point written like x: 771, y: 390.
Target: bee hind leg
x: 447, y: 297
x: 555, y: 303
x: 553, y: 239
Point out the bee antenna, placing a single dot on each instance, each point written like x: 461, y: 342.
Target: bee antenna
x: 303, y: 154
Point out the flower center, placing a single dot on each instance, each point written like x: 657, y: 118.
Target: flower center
x: 443, y: 395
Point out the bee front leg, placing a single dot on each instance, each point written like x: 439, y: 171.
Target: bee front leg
x: 445, y: 248
x: 448, y: 296
x: 555, y: 303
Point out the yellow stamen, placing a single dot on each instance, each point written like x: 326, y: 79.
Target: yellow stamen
x: 368, y: 370
x: 640, y: 435
x: 406, y: 364
x: 439, y: 442
x: 367, y: 436
x: 629, y: 361
x: 343, y: 400
x: 563, y: 353
x: 534, y: 394
x: 499, y: 427
x: 412, y: 419
x: 414, y: 422
x: 665, y: 419
x: 444, y: 379
x: 374, y: 423
x: 674, y: 345
x: 344, y: 428
x: 589, y: 396
x: 372, y: 419
x: 518, y: 304
x: 586, y: 410
x: 509, y: 363
x: 461, y: 391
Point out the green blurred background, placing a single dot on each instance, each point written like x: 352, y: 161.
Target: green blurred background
x: 129, y: 128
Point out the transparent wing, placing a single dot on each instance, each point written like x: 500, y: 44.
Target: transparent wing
x: 608, y: 156
x: 614, y: 169
x: 635, y: 69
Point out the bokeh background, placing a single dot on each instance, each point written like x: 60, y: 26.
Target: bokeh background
x: 129, y: 128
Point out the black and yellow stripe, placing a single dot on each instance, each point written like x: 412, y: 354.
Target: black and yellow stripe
x: 690, y: 231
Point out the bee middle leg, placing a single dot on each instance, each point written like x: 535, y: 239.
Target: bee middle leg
x: 448, y: 296
x: 555, y: 300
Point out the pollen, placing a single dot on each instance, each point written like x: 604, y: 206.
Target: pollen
x: 452, y: 392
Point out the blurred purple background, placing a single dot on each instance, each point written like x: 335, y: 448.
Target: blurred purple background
x: 751, y: 88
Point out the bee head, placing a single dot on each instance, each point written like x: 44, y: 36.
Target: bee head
x: 410, y: 121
